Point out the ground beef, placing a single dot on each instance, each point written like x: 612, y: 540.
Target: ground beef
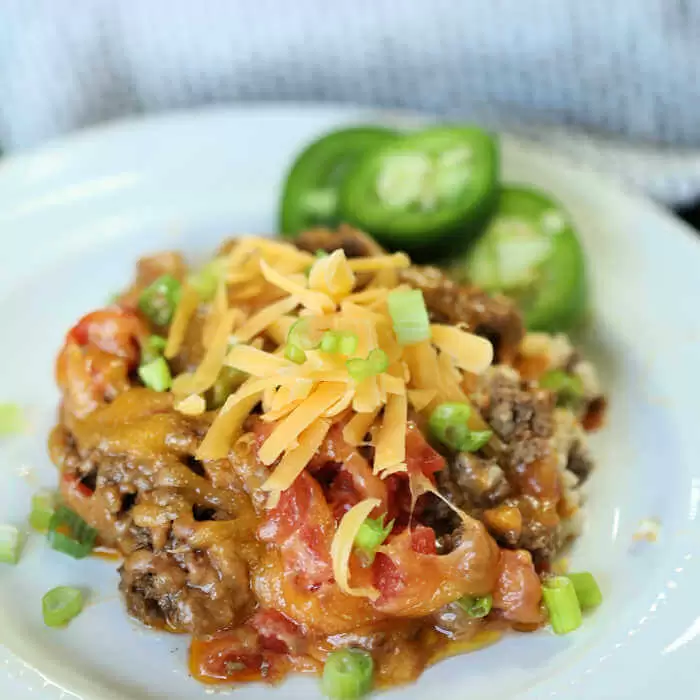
x: 354, y: 243
x: 493, y: 317
x: 580, y: 461
x: 177, y: 525
x: 502, y: 488
x: 473, y: 482
x: 185, y: 590
x: 520, y: 414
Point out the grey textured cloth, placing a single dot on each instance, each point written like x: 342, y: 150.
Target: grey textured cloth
x: 614, y: 82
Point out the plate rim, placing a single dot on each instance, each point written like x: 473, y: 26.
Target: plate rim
x: 124, y: 126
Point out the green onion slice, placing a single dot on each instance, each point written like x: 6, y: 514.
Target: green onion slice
x: 476, y: 606
x: 449, y: 425
x: 568, y: 387
x: 409, y: 316
x: 10, y: 544
x: 156, y: 374
x: 347, y: 674
x: 560, y: 599
x: 43, y: 507
x: 159, y: 299
x: 207, y: 279
x: 11, y: 419
x: 226, y: 383
x: 60, y: 605
x: 376, y: 363
x: 70, y: 534
x: 294, y: 354
x: 371, y: 536
x: 152, y: 348
x: 330, y: 342
x: 587, y: 590
x: 343, y: 342
x: 304, y: 335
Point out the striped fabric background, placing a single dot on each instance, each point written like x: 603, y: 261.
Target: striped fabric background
x: 615, y: 83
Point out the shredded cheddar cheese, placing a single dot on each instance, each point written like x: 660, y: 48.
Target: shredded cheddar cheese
x: 390, y: 448
x: 184, y: 311
x: 267, y: 287
x: 209, y: 368
x: 296, y: 459
x: 192, y: 405
x: 341, y: 547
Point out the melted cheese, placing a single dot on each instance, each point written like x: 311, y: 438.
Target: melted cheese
x: 343, y: 542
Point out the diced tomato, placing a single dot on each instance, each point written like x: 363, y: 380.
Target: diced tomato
x: 72, y: 482
x: 423, y: 540
x: 277, y: 632
x: 228, y: 656
x: 114, y: 330
x: 415, y: 581
x: 518, y: 590
x: 302, y: 526
x: 420, y: 456
x: 341, y: 494
x: 388, y: 579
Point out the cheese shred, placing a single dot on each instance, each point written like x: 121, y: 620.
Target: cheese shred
x: 343, y: 542
x: 301, y: 384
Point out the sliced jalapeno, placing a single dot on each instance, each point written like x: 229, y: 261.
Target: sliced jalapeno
x: 310, y: 196
x: 425, y: 191
x: 531, y: 252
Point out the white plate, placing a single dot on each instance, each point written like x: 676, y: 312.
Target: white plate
x: 74, y: 217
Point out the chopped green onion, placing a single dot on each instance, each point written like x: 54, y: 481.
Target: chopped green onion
x: 376, y: 363
x: 206, y: 280
x: 587, y: 590
x: 11, y: 419
x: 10, y: 544
x: 343, y: 342
x: 60, y: 605
x: 159, y: 299
x: 449, y: 424
x: 568, y: 387
x: 156, y: 374
x: 476, y: 606
x: 409, y: 315
x: 330, y: 341
x: 295, y: 354
x: 152, y: 348
x: 347, y: 674
x: 81, y: 538
x: 303, y: 335
x: 226, y: 383
x: 43, y: 508
x: 371, y: 535
x: 348, y: 342
x: 560, y: 599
